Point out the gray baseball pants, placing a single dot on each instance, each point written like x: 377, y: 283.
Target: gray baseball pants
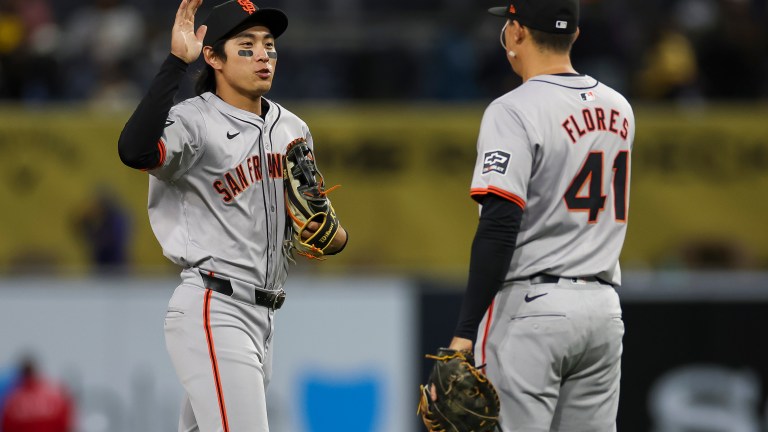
x: 554, y: 359
x: 220, y: 348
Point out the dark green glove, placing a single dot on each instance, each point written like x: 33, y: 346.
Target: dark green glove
x: 466, y: 400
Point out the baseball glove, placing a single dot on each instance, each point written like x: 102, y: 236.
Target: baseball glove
x: 466, y: 400
x: 306, y: 201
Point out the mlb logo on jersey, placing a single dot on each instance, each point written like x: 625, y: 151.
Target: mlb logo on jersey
x: 495, y: 161
x: 588, y: 96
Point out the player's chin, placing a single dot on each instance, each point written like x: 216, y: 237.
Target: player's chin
x: 262, y: 87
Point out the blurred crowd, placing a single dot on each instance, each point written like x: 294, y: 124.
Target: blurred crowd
x: 33, y: 402
x: 107, y: 51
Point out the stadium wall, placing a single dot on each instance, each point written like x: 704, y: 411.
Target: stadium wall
x: 349, y: 351
x: 697, y: 178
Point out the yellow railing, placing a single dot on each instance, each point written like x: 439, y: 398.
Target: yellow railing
x: 698, y: 175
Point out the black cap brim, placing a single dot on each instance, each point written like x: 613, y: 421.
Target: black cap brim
x: 498, y: 11
x: 273, y: 19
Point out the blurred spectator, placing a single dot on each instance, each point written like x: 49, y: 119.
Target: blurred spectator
x: 37, y: 404
x: 9, y: 379
x: 104, y: 227
x: 102, y: 49
x: 11, y: 39
x: 41, y: 66
x: 669, y: 70
x: 28, y: 47
x: 105, y: 51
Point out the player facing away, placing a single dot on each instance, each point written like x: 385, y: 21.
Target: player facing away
x: 216, y: 206
x: 552, y: 179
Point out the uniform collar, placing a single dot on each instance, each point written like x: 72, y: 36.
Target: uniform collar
x: 569, y: 81
x: 239, y: 113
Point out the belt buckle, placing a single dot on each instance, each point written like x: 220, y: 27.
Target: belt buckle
x: 278, y: 296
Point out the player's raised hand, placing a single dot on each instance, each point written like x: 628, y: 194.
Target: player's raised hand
x: 187, y: 44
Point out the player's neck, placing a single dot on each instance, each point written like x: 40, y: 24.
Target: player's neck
x: 546, y: 64
x: 239, y: 100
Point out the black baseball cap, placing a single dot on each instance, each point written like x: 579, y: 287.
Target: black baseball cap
x: 550, y: 16
x: 229, y: 16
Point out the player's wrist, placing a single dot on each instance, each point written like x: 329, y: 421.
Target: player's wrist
x: 176, y: 60
x: 460, y: 344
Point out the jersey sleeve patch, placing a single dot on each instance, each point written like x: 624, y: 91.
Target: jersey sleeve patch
x: 478, y: 193
x: 495, y: 161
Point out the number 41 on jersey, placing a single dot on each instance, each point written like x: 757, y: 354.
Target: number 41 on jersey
x: 590, y: 178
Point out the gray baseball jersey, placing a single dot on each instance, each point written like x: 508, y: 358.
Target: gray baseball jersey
x: 217, y: 202
x: 559, y: 147
x: 216, y: 205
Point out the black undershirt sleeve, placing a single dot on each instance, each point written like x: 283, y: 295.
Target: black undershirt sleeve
x: 492, y: 252
x: 137, y: 145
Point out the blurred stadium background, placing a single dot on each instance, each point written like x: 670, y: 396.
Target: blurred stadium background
x: 393, y: 92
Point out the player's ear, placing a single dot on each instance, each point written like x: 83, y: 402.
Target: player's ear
x: 518, y: 32
x: 576, y: 36
x: 211, y: 58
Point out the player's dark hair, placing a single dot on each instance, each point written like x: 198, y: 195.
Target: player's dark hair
x: 206, y: 79
x: 555, y: 42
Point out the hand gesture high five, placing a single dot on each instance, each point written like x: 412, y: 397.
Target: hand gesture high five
x: 187, y: 44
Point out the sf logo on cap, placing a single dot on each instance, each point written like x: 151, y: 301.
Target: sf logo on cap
x: 247, y: 6
x: 512, y: 9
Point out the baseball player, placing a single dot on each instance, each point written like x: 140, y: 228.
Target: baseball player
x: 552, y: 180
x: 216, y: 206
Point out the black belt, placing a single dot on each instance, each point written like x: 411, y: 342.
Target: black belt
x: 273, y: 300
x: 549, y: 279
